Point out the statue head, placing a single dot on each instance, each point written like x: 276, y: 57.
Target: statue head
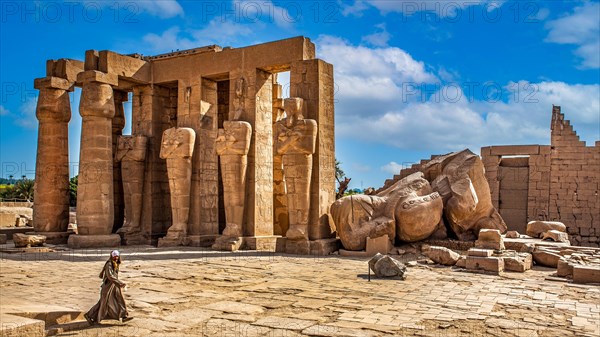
x: 293, y: 107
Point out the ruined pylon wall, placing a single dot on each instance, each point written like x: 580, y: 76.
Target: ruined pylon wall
x: 574, y: 182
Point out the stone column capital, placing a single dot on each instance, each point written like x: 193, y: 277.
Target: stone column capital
x: 98, y: 76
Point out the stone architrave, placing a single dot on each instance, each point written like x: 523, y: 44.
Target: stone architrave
x: 232, y: 145
x: 295, y: 142
x: 408, y: 210
x: 131, y: 153
x: 51, y: 207
x: 177, y: 148
x: 95, y: 198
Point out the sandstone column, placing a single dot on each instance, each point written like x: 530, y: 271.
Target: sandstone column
x: 131, y: 153
x: 177, y: 148
x: 296, y: 138
x: 280, y: 211
x: 233, y: 143
x: 95, y: 198
x: 51, y: 207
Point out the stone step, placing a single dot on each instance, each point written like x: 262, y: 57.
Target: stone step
x: 18, y: 326
x: 54, y: 330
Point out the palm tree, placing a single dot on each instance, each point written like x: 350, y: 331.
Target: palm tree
x: 10, y: 179
x: 24, y: 189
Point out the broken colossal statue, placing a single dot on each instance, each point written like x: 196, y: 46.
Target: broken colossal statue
x: 177, y: 147
x: 295, y: 141
x: 232, y: 145
x: 131, y: 153
x: 411, y: 209
x: 408, y: 210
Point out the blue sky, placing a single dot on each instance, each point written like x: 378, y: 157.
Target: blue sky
x: 413, y: 78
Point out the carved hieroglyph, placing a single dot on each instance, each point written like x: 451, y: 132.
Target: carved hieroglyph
x: 459, y: 178
x: 408, y: 210
x: 51, y: 207
x: 232, y: 145
x: 131, y: 152
x: 177, y: 148
x: 295, y: 142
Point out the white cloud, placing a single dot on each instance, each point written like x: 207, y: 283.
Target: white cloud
x: 374, y: 105
x: 379, y: 39
x: 581, y: 28
x: 392, y: 168
x: 26, y: 117
x: 4, y: 111
x: 215, y: 32
x: 356, y: 9
x: 370, y: 73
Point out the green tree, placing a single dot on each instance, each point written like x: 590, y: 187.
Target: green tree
x: 22, y: 189
x: 73, y: 191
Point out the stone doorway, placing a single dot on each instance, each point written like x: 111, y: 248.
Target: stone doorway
x: 513, y: 175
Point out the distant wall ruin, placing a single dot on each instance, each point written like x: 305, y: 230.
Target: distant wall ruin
x: 558, y: 182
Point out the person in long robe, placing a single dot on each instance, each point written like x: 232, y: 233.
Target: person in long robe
x: 112, y: 303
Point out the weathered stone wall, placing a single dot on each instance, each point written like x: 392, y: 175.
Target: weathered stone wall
x: 574, y: 180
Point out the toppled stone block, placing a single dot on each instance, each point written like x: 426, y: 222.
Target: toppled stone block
x: 24, y: 240
x: 586, y: 274
x: 22, y: 220
x: 518, y: 262
x: 480, y: 252
x: 535, y: 229
x: 556, y: 236
x: 490, y: 239
x: 442, y: 255
x: 546, y: 257
x: 490, y: 264
x: 462, y: 262
x: 564, y: 268
x: 386, y: 266
x: 2, y: 239
x: 513, y: 235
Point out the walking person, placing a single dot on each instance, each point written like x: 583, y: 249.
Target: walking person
x: 112, y: 303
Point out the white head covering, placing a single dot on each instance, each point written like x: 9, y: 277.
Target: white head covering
x: 115, y: 253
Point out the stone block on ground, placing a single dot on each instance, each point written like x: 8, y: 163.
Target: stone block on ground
x: 546, y: 257
x: 535, y: 229
x: 518, y: 262
x: 24, y: 240
x: 564, y: 268
x: 489, y: 264
x: 442, y: 255
x: 490, y: 239
x: 556, y: 236
x: 586, y: 274
x: 386, y: 266
x: 480, y: 252
x: 94, y: 241
x: 462, y: 262
x: 381, y: 245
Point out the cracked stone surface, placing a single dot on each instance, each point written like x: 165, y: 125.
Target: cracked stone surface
x: 186, y: 291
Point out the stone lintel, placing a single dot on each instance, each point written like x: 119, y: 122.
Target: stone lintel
x: 64, y: 68
x: 97, y: 76
x: 127, y: 67
x: 515, y: 150
x: 53, y: 82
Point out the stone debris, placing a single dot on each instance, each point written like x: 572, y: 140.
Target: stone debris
x: 386, y: 266
x: 513, y: 234
x: 24, y: 240
x: 556, y: 236
x: 536, y: 229
x: 546, y: 257
x: 442, y: 255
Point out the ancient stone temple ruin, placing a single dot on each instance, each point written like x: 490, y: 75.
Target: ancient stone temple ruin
x: 216, y: 156
x: 556, y: 182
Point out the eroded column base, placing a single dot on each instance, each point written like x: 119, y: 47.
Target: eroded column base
x: 315, y: 247
x: 228, y: 243
x: 134, y: 239
x: 261, y: 243
x: 172, y: 241
x: 94, y: 241
x: 201, y: 240
x: 54, y: 238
